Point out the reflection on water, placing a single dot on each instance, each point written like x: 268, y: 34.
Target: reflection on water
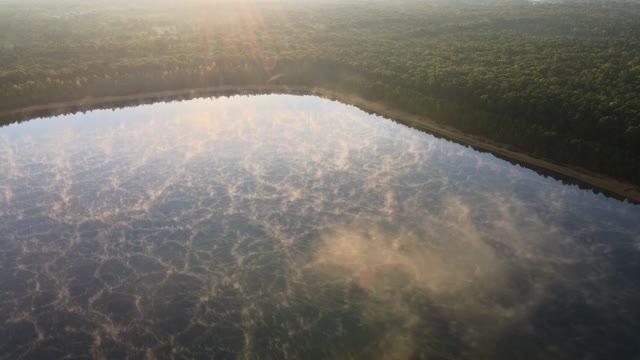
x: 295, y: 227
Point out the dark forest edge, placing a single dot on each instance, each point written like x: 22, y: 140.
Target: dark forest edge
x: 555, y: 81
x: 569, y: 175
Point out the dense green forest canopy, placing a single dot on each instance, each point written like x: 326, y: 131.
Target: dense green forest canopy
x: 558, y: 80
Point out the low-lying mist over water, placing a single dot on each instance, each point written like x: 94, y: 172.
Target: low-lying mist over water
x: 278, y: 226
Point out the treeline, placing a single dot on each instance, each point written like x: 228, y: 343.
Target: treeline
x: 558, y: 81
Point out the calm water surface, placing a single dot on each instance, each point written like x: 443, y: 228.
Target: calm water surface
x: 276, y: 226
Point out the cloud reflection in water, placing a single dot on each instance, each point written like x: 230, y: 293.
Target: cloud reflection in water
x: 295, y: 227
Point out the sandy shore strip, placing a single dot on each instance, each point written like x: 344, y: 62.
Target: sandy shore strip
x: 584, y: 178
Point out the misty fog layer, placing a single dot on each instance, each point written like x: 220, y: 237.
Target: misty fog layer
x: 281, y: 226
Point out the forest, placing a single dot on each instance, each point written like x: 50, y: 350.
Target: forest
x: 557, y: 80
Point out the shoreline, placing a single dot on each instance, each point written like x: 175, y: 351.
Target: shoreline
x: 582, y: 177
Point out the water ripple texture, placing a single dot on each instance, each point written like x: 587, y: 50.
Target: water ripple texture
x: 294, y: 227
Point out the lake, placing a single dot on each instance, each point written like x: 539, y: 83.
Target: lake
x: 281, y: 226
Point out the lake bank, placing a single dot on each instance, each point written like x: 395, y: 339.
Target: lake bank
x: 582, y: 177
